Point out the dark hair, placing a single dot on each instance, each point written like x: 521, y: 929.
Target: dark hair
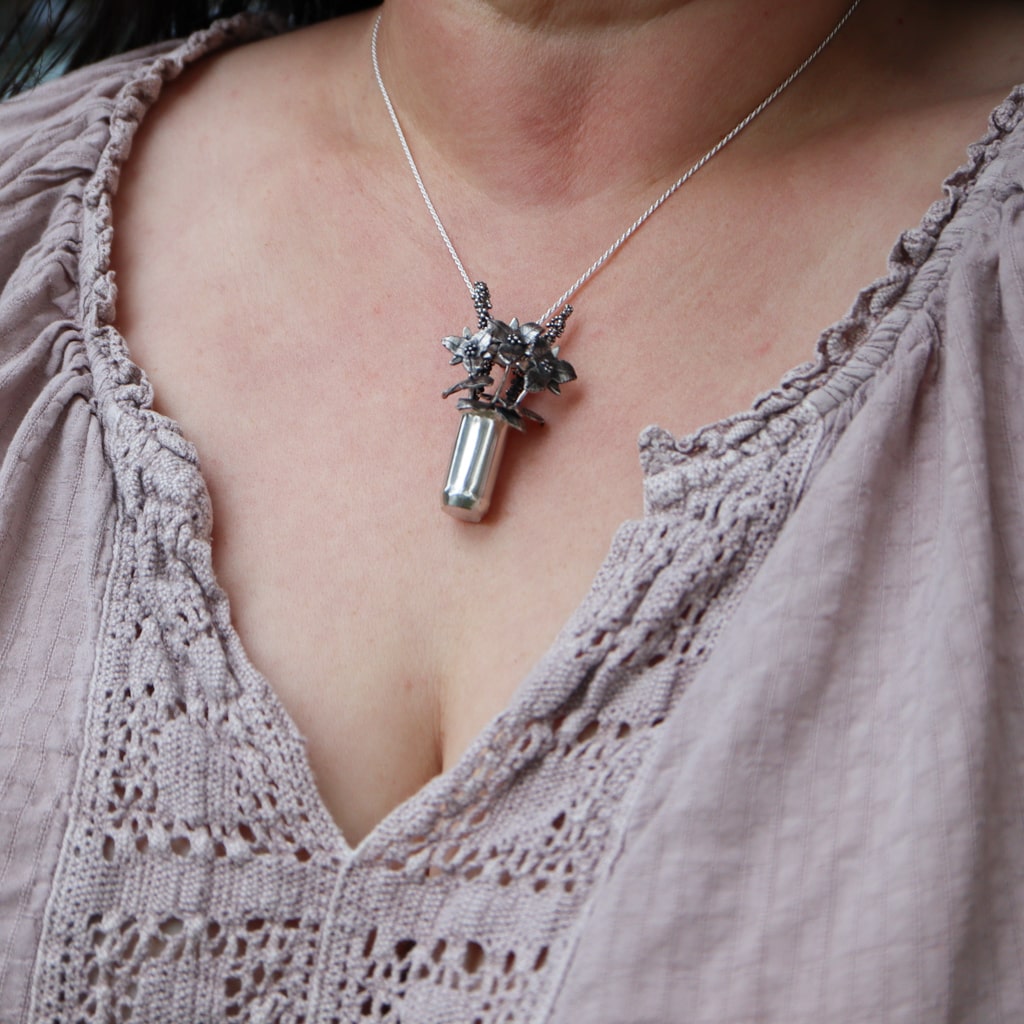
x: 39, y: 38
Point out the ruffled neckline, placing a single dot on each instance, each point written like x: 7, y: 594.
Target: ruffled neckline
x: 848, y: 354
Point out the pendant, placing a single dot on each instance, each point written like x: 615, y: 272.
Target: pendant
x: 527, y: 361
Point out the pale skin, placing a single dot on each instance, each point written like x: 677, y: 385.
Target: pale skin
x: 283, y: 287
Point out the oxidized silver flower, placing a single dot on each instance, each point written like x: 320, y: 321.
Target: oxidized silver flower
x: 546, y: 370
x: 525, y: 352
x: 517, y: 344
x: 475, y: 351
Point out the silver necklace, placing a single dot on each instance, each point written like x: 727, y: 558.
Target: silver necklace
x: 524, y: 356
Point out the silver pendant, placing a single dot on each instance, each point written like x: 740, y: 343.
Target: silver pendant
x: 473, y: 470
x: 527, y: 360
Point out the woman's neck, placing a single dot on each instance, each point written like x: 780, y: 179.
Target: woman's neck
x: 539, y: 104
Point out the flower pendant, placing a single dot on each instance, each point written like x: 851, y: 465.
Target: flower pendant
x: 524, y: 360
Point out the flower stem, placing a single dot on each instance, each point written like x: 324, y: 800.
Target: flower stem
x: 498, y: 396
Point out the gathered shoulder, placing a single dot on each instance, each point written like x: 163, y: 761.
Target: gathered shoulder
x: 62, y: 147
x: 52, y: 138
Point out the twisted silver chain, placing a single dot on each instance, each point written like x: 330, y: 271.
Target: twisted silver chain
x: 646, y: 215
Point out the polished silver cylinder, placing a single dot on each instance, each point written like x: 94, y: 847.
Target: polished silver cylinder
x: 474, y: 466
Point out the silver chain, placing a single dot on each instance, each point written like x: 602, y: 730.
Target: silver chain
x: 646, y: 215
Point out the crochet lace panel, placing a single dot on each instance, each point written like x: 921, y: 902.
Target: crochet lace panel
x: 201, y: 877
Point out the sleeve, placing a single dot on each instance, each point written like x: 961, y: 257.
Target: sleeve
x: 56, y: 496
x: 51, y: 140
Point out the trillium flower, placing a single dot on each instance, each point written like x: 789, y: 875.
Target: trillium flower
x: 474, y: 351
x: 546, y: 370
x: 517, y: 345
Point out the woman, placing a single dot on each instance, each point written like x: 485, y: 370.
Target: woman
x: 769, y: 769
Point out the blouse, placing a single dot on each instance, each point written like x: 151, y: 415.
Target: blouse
x: 770, y: 770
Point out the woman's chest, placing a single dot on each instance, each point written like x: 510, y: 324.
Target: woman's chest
x: 296, y: 336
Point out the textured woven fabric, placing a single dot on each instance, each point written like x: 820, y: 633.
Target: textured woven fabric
x: 771, y: 770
